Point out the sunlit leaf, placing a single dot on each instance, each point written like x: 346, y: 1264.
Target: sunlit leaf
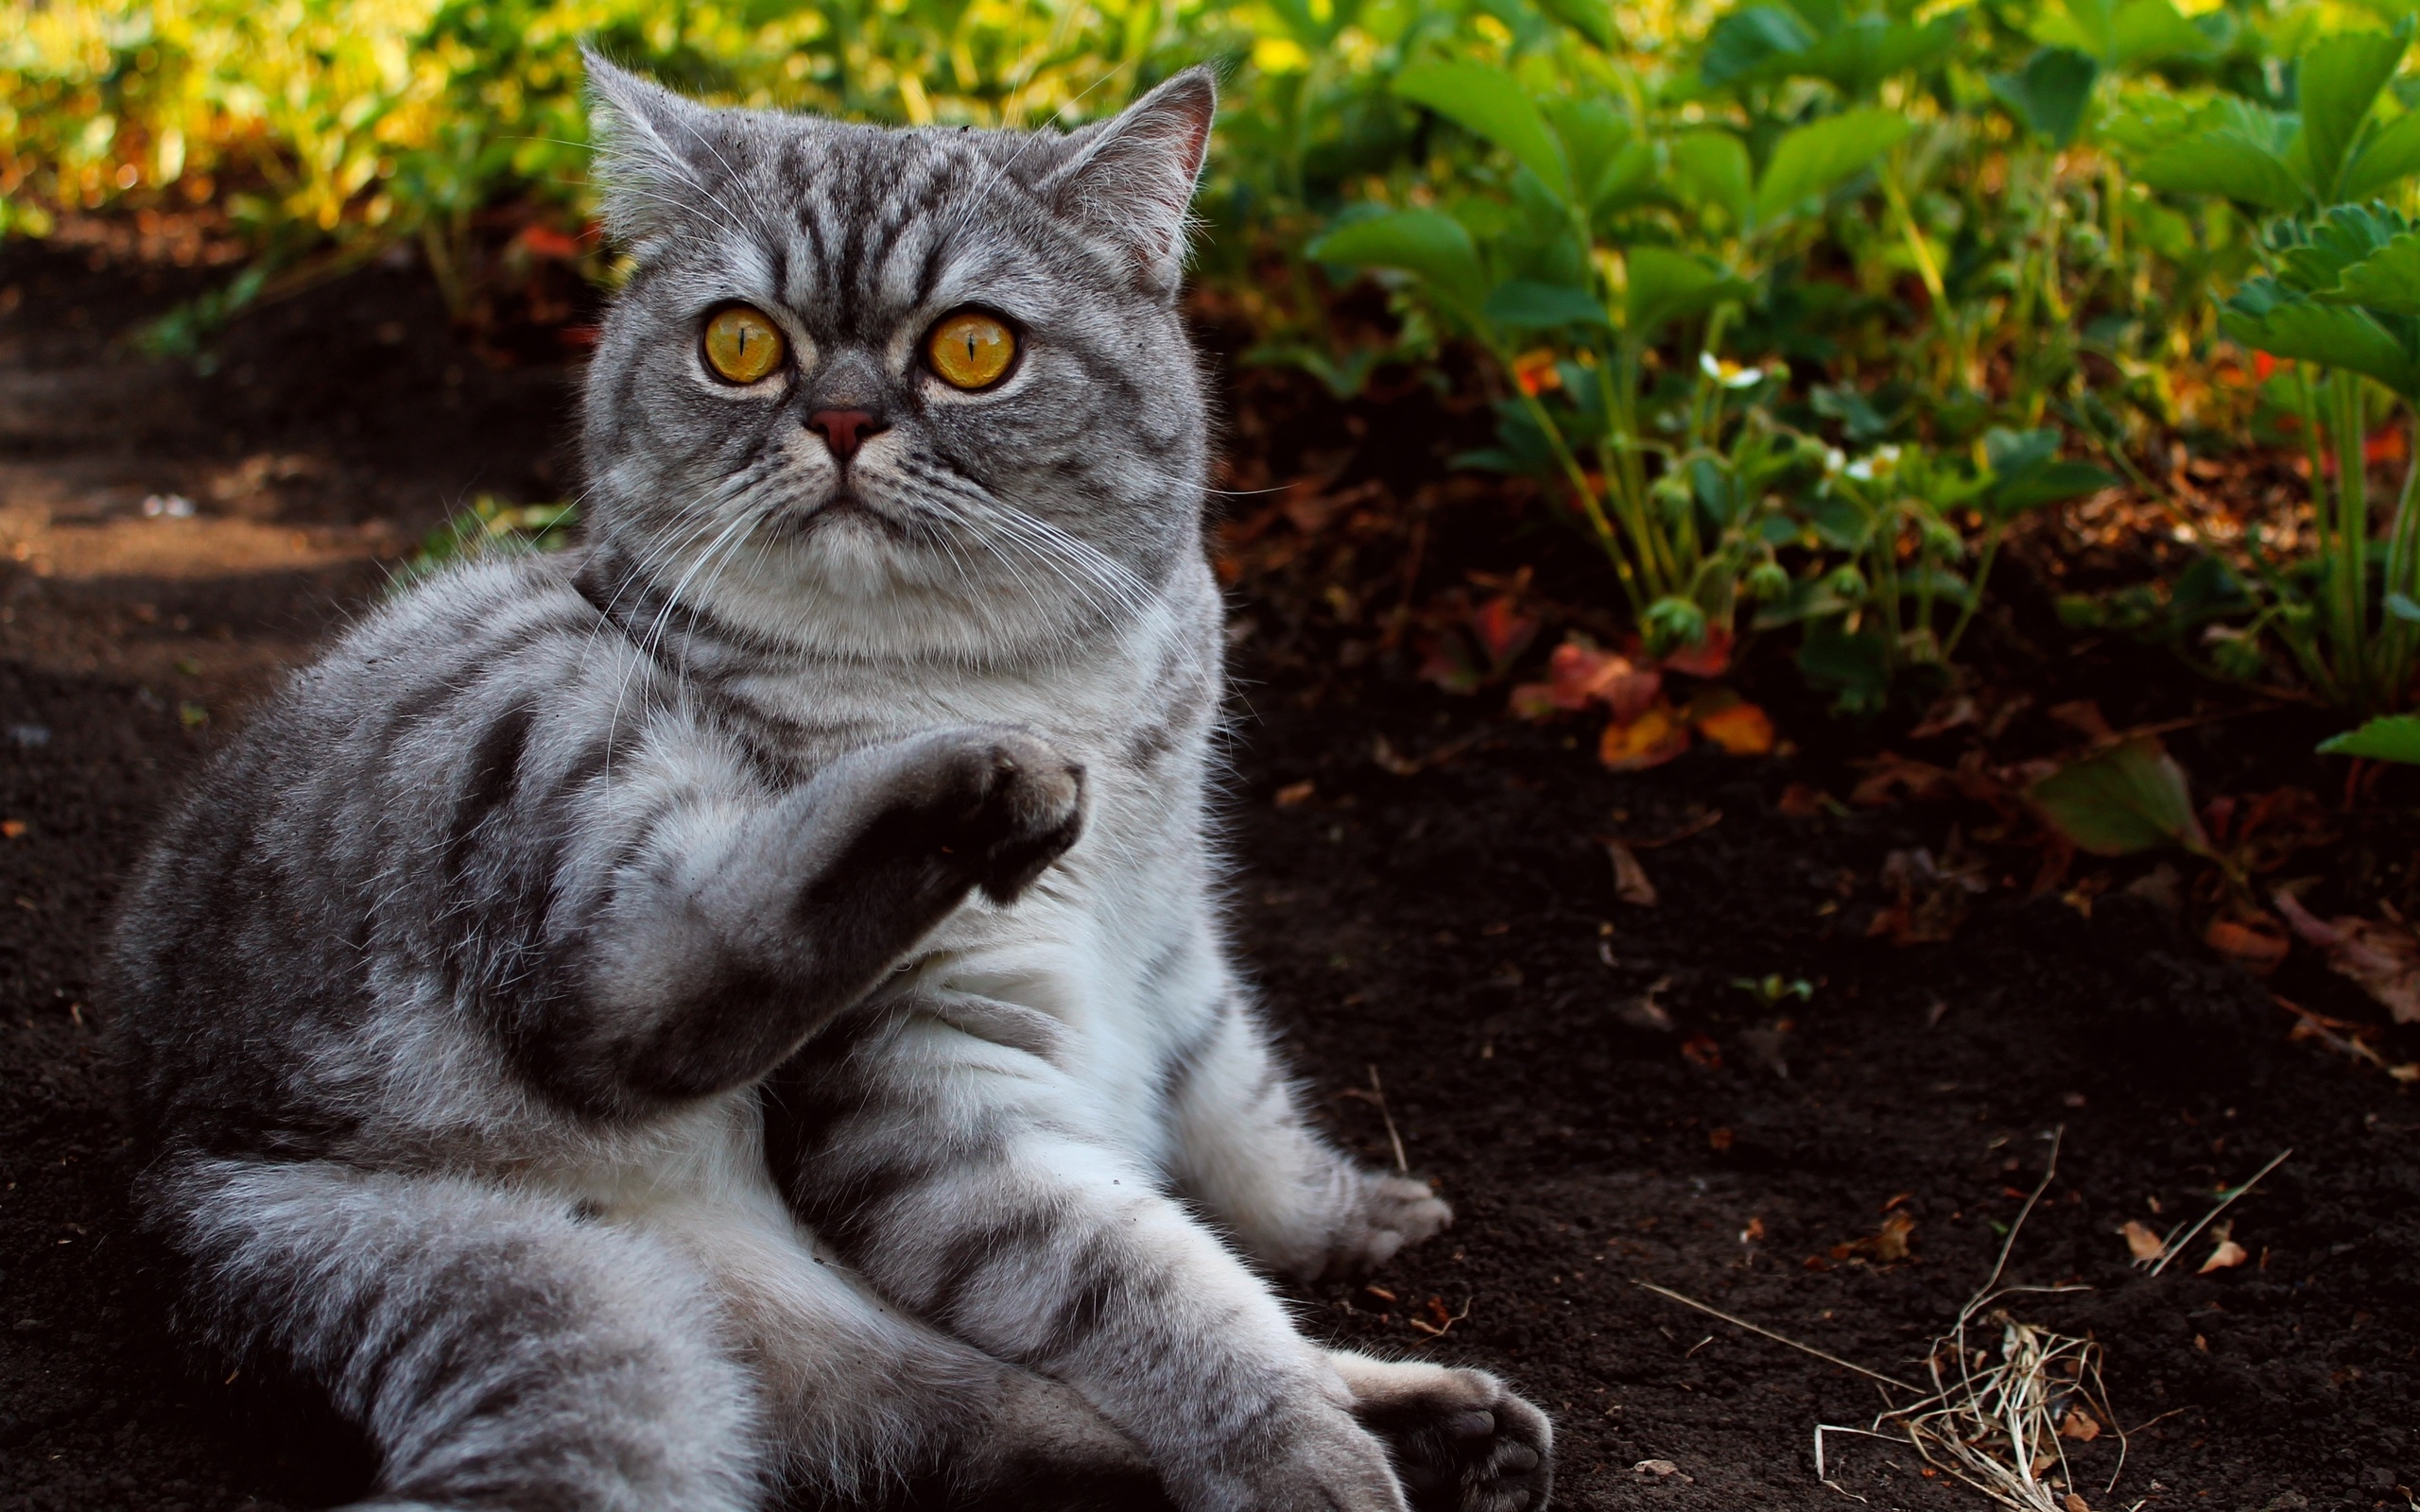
x: 1434, y: 246
x: 1712, y: 168
x: 2226, y: 163
x: 1592, y: 19
x: 2391, y: 155
x: 2129, y: 797
x: 2337, y: 83
x: 2388, y: 281
x: 2268, y: 318
x: 1486, y: 102
x: 1814, y: 160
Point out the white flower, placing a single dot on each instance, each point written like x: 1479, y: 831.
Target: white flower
x: 1729, y: 374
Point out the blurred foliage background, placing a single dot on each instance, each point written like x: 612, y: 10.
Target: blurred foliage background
x: 1791, y: 308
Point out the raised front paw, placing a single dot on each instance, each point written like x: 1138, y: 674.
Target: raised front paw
x: 1006, y: 806
x: 1393, y: 1211
x: 1461, y: 1440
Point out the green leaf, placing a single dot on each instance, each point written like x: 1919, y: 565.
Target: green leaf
x: 1665, y: 286
x: 2149, y: 30
x: 2388, y: 738
x: 2387, y: 280
x: 1813, y: 160
x: 1605, y: 157
x: 2131, y: 796
x: 1424, y: 242
x: 2337, y: 81
x: 2051, y: 92
x: 2275, y: 320
x: 1526, y: 304
x: 1592, y: 19
x: 1487, y: 103
x: 1750, y: 43
x: 2227, y: 164
x: 2013, y: 452
x: 2047, y: 483
x: 1712, y: 168
x: 1857, y: 58
x: 2390, y: 155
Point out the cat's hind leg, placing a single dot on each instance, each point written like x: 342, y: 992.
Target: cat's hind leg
x: 499, y: 1351
x: 1293, y: 1200
x: 1461, y: 1440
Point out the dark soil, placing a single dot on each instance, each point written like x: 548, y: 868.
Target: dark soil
x: 1453, y: 936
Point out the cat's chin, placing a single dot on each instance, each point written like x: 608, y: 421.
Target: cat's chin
x: 858, y: 585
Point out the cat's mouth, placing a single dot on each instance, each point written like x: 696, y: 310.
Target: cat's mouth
x: 843, y: 507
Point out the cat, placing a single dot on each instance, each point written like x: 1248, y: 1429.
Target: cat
x: 737, y: 1009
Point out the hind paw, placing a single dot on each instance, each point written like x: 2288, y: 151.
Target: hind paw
x: 1461, y: 1440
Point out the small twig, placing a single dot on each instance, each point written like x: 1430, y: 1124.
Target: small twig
x: 1982, y: 1292
x: 1378, y: 1095
x: 2176, y: 1247
x: 1438, y: 1331
x: 1765, y: 1333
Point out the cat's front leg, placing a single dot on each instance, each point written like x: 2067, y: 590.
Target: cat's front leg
x: 998, y: 1222
x: 1245, y: 1151
x: 734, y: 926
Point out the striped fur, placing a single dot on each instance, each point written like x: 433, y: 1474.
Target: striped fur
x: 739, y: 1009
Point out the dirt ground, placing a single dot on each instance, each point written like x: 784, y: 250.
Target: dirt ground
x: 1437, y: 921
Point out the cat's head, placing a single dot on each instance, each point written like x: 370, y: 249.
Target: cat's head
x: 920, y: 392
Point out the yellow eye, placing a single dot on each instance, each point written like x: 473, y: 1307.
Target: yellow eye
x: 742, y: 344
x: 971, y: 349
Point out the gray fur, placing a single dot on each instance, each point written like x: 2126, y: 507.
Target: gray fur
x: 741, y: 1005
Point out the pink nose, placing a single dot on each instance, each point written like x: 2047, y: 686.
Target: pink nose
x: 845, y: 429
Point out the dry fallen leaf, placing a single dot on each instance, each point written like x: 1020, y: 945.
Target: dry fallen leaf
x: 1659, y: 1467
x: 1293, y: 794
x: 2145, y: 1245
x: 2080, y: 1425
x: 2226, y: 1257
x: 1754, y: 1231
x: 1630, y: 879
x: 1886, y: 1246
x: 1741, y: 730
x: 13, y: 829
x: 2259, y: 947
x: 1653, y: 738
x: 2076, y: 1504
x: 2383, y: 958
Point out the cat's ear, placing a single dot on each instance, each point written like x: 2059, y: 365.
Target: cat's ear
x: 1130, y: 180
x: 653, y: 156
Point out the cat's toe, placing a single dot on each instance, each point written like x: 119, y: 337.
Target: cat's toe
x: 1461, y: 1440
x: 1393, y: 1212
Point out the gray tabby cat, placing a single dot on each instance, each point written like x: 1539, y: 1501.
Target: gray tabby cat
x: 740, y: 1010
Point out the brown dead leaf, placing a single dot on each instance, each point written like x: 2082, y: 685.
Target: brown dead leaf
x: 2080, y: 1425
x: 1701, y: 1049
x: 1630, y: 879
x: 2141, y: 1243
x: 1720, y: 1139
x: 1800, y: 801
x: 1891, y: 777
x: 2076, y: 1504
x: 1885, y: 1246
x: 2259, y: 946
x: 1739, y: 729
x: 2383, y: 958
x: 2083, y: 717
x: 1295, y: 794
x: 1656, y: 736
x: 1754, y: 1231
x: 2226, y: 1257
x: 13, y: 829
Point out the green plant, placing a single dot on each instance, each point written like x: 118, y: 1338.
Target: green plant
x: 1557, y: 268
x: 2339, y: 295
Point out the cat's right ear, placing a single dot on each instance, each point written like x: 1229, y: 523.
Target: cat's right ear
x: 654, y: 154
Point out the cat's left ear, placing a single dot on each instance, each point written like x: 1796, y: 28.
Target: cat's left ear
x: 1132, y: 183
x: 653, y: 154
